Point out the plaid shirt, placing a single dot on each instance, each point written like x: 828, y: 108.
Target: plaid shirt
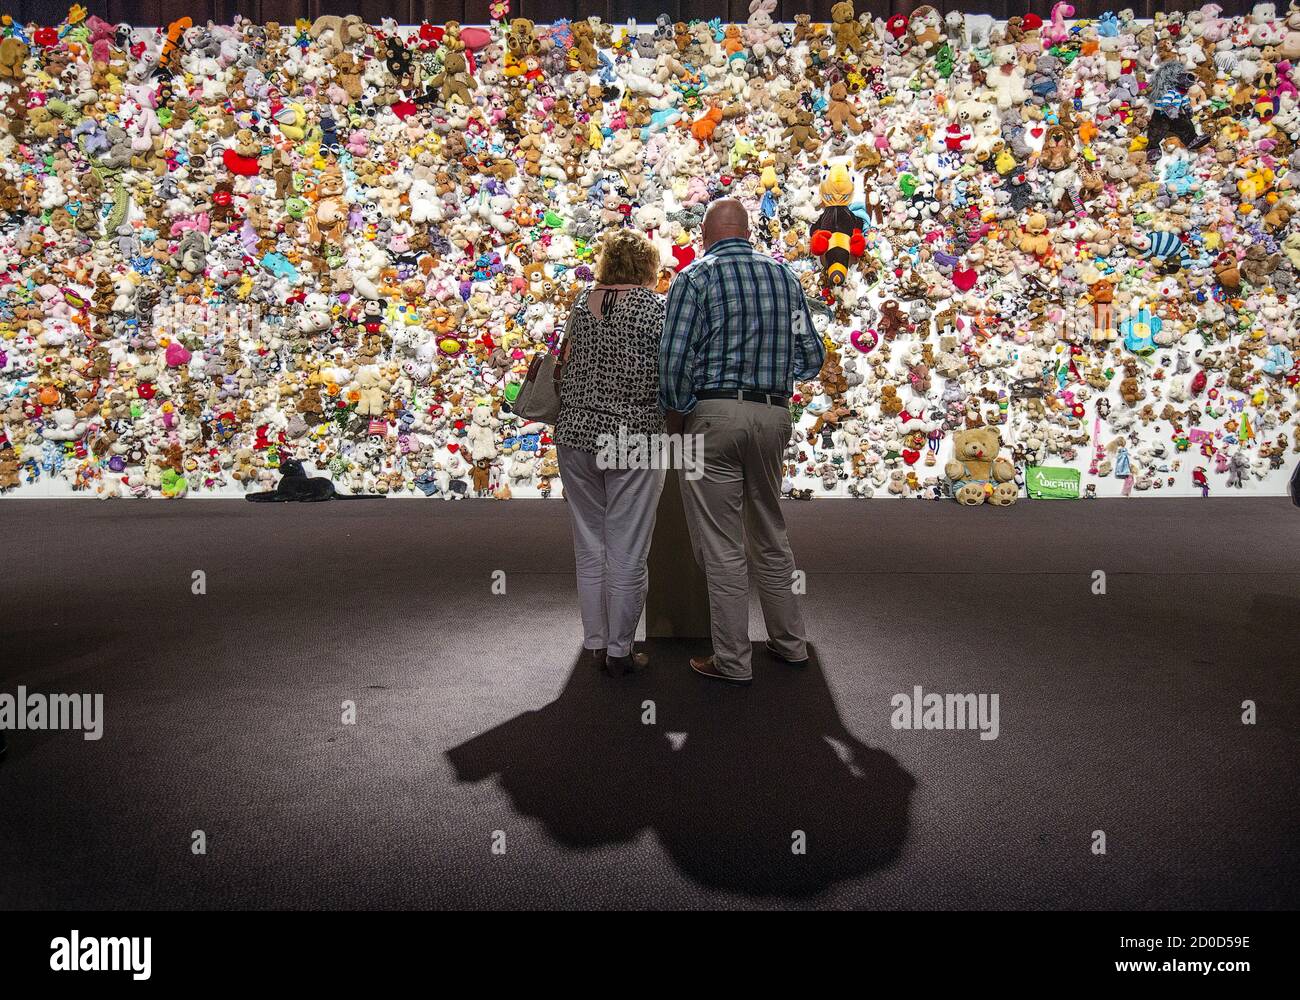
x: 735, y: 320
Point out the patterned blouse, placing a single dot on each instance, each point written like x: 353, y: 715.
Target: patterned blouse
x: 611, y: 377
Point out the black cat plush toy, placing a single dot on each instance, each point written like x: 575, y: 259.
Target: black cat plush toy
x: 296, y: 485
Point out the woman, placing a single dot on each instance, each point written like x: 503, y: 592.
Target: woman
x: 609, y: 394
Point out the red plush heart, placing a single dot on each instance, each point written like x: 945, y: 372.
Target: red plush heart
x: 910, y: 457
x: 453, y: 448
x: 403, y: 109
x: 1037, y: 133
x: 237, y: 164
x: 864, y: 340
x: 964, y: 278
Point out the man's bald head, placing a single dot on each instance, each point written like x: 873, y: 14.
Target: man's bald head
x: 725, y: 218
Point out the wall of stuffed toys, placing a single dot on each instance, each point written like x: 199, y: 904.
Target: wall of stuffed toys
x: 1068, y: 243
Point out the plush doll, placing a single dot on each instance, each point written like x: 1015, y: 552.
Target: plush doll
x: 837, y: 236
x: 976, y: 472
x: 1034, y: 238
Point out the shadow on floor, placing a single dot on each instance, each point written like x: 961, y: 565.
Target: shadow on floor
x: 724, y: 776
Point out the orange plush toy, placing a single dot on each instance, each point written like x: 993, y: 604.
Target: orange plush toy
x: 704, y: 126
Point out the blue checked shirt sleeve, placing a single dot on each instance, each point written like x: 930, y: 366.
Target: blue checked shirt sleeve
x: 809, y: 351
x: 682, y: 324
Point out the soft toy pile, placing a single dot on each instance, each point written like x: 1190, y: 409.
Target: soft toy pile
x: 226, y: 247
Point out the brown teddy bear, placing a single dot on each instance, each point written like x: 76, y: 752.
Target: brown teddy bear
x: 976, y: 472
x: 348, y: 71
x: 9, y: 468
x: 1130, y: 390
x: 13, y: 53
x: 455, y: 81
x: 1258, y: 264
x: 844, y: 26
x: 583, y: 55
x: 801, y: 133
x: 840, y: 111
x: 521, y: 40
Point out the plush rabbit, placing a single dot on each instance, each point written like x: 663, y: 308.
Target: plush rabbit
x: 761, y: 34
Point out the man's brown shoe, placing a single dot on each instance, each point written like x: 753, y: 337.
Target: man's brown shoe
x: 706, y: 667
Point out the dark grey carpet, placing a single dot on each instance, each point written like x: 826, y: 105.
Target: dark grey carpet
x: 1118, y: 713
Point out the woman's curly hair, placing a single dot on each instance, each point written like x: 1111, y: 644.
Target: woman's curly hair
x: 626, y: 257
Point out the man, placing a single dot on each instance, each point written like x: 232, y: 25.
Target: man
x: 736, y: 336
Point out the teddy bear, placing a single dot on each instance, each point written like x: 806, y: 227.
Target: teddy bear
x: 583, y: 55
x: 801, y: 132
x: 976, y: 472
x: 1258, y: 264
x: 521, y: 38
x: 10, y: 467
x: 840, y: 112
x: 1005, y: 77
x: 329, y: 218
x: 1034, y: 238
x: 844, y: 27
x: 13, y: 53
x: 455, y: 81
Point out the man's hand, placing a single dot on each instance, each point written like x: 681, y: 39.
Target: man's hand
x: 675, y: 421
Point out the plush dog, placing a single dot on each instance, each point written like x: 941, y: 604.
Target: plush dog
x: 296, y: 485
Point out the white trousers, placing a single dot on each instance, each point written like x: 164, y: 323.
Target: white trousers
x: 613, y: 513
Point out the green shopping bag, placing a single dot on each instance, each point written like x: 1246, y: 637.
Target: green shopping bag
x: 1044, y: 483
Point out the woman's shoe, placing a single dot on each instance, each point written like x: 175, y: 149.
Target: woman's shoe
x: 707, y: 666
x: 597, y: 658
x: 619, y: 666
x: 785, y: 659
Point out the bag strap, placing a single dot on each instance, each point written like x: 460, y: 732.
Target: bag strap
x: 563, y: 345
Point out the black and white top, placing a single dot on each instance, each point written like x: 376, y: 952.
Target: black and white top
x: 611, y: 378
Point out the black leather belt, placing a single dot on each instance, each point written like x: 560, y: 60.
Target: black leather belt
x: 749, y: 395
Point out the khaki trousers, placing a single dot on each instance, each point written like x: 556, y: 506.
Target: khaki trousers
x: 734, y: 515
x: 613, y: 513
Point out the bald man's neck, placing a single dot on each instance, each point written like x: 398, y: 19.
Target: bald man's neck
x: 711, y: 236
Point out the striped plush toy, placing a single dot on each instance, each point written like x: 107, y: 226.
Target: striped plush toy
x: 1169, y: 249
